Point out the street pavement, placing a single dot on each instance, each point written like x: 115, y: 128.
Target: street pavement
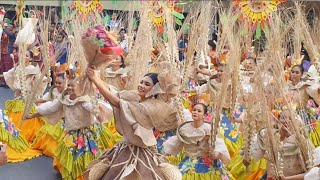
x: 36, y: 169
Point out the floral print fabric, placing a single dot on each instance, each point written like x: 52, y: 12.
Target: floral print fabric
x: 83, y: 140
x: 229, y: 129
x: 204, y: 165
x: 8, y: 125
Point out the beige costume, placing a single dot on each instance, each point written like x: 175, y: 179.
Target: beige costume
x: 114, y: 78
x: 31, y: 72
x: 291, y: 156
x: 136, y: 157
x: 78, y: 113
x: 196, y: 141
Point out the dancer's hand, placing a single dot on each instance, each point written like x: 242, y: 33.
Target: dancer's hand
x: 29, y: 116
x: 246, y: 162
x: 3, y: 154
x: 92, y: 73
x: 215, y: 155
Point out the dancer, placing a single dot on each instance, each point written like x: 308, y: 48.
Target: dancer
x: 136, y: 114
x: 84, y: 134
x: 48, y: 136
x: 201, y: 161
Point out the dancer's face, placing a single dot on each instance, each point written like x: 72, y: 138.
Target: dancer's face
x: 285, y: 118
x: 73, y: 88
x: 59, y: 84
x: 116, y: 62
x: 220, y: 72
x: 145, y: 86
x: 198, y: 112
x: 295, y: 74
x: 250, y: 64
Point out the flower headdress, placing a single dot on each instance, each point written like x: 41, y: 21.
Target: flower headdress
x: 59, y: 70
x: 98, y: 43
x: 72, y: 72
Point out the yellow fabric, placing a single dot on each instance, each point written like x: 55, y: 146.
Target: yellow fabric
x: 47, y: 138
x: 18, y: 144
x: 18, y: 149
x: 232, y: 147
x: 28, y: 128
x: 239, y: 171
x: 14, y: 156
x: 204, y: 176
x: 314, y: 135
x: 69, y: 169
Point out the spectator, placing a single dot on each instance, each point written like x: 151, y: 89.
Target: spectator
x: 60, y: 49
x: 10, y: 31
x: 183, y: 42
x: 114, y: 22
x: 123, y: 40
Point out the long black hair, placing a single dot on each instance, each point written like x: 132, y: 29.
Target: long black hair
x: 153, y: 76
x: 205, y: 108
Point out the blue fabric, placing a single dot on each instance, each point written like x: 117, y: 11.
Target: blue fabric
x: 230, y: 129
x: 83, y: 140
x: 8, y: 125
x: 203, y: 165
x: 162, y: 138
x: 181, y: 44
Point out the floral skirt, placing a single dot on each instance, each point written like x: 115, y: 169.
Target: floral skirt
x: 28, y: 128
x: 240, y: 172
x: 17, y: 147
x: 311, y: 119
x: 231, y: 135
x: 203, y: 168
x: 78, y: 148
x: 48, y: 138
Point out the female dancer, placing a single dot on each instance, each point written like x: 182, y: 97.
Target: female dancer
x: 201, y: 161
x: 136, y: 114
x: 84, y: 137
x: 48, y: 136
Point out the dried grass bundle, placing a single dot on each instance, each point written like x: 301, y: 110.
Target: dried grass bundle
x: 303, y: 25
x: 276, y: 55
x: 228, y: 29
x: 38, y: 84
x: 140, y: 54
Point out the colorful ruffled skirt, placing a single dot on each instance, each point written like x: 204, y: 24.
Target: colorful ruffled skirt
x: 230, y: 132
x: 203, y: 168
x: 161, y: 138
x: 48, y: 138
x: 311, y: 118
x: 115, y: 136
x: 240, y: 172
x: 28, y: 128
x: 78, y: 148
x: 17, y: 147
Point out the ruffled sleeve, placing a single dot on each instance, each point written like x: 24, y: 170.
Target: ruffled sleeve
x: 52, y: 110
x: 133, y: 131
x: 172, y: 146
x: 313, y: 92
x: 257, y: 151
x: 221, y: 147
x: 313, y: 174
x: 9, y: 78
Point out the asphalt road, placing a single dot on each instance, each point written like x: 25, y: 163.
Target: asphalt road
x: 36, y: 169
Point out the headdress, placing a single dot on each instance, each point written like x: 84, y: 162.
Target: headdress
x: 72, y: 72
x: 59, y: 70
x: 98, y: 43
